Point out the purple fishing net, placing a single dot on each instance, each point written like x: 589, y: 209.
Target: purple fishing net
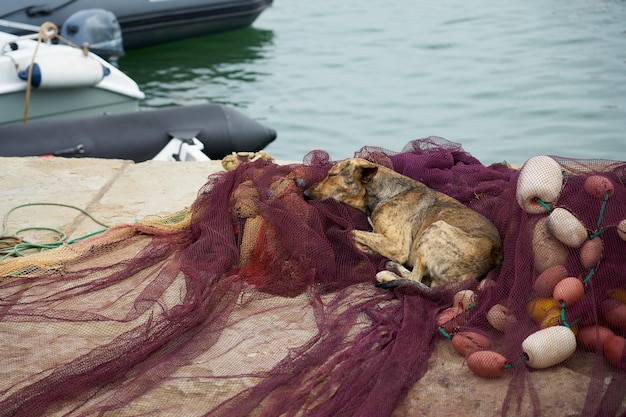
x: 144, y: 320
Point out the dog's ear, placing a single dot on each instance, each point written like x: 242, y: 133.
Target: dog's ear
x: 367, y: 173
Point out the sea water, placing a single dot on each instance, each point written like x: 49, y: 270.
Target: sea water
x: 505, y: 79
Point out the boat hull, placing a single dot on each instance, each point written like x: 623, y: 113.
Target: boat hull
x: 67, y: 103
x: 144, y: 22
x: 139, y: 135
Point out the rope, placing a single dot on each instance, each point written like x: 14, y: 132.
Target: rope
x: 43, y: 36
x: 444, y: 333
x: 47, y: 32
x: 15, y: 246
x: 543, y: 204
x: 606, y: 198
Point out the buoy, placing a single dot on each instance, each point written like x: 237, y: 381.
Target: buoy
x: 592, y: 337
x: 564, y: 226
x: 547, y: 280
x: 500, y: 317
x: 591, y: 252
x: 615, y: 351
x: 568, y: 291
x: 621, y: 230
x: 465, y: 299
x: 618, y: 294
x: 540, y: 179
x: 614, y: 312
x: 487, y: 363
x: 552, y: 318
x: 468, y: 342
x: 549, y: 346
x: 547, y: 250
x: 539, y: 308
x: 451, y: 319
x: 598, y: 186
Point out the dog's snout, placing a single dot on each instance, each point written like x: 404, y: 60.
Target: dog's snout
x: 307, y: 194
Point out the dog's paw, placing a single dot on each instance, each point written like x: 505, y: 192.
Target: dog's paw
x: 408, y: 287
x: 386, y: 276
x: 397, y: 269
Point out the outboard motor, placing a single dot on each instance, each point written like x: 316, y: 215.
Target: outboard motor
x: 99, y: 28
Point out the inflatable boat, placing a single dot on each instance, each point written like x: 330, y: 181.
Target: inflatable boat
x: 46, y: 80
x: 145, y: 22
x: 140, y: 135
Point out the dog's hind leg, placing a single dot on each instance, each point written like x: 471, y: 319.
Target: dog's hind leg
x: 398, y: 269
x: 388, y: 280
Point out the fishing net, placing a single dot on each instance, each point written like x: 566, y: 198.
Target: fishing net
x: 255, y: 302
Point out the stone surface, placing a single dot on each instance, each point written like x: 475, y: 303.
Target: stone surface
x: 116, y: 191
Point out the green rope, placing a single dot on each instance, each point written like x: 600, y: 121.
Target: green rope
x: 598, y: 232
x: 589, y: 275
x: 606, y: 198
x: 519, y: 360
x: 545, y: 206
x: 444, y: 333
x: 15, y: 246
x: 563, y: 320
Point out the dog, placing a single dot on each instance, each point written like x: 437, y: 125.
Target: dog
x: 442, y: 240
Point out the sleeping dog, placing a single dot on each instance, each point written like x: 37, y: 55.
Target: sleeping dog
x: 438, y: 237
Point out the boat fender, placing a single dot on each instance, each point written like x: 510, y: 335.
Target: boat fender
x: 79, y: 71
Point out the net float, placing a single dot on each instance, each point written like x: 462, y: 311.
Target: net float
x: 598, y: 186
x: 451, y: 319
x: 564, y: 226
x: 549, y: 346
x: 621, y: 230
x: 541, y: 179
x: 547, y: 280
x: 539, y: 308
x: 592, y: 337
x: 618, y: 294
x: 552, y: 318
x: 615, y: 351
x: 468, y: 342
x: 486, y: 283
x: 569, y: 291
x: 487, y: 363
x: 614, y: 312
x: 591, y: 252
x: 547, y: 250
x: 500, y: 317
x: 465, y: 299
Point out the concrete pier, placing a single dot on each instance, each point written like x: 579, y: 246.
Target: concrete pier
x: 118, y: 191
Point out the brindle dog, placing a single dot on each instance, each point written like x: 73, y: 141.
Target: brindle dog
x: 413, y: 225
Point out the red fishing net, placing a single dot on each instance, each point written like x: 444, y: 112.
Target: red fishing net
x: 256, y: 302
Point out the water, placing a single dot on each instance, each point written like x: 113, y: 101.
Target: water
x: 506, y: 79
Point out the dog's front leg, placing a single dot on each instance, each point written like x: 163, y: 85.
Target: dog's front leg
x: 363, y: 247
x: 396, y: 249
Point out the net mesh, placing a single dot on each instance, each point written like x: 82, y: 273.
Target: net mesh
x: 256, y: 302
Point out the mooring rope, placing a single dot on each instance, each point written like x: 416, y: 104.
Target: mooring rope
x: 47, y: 32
